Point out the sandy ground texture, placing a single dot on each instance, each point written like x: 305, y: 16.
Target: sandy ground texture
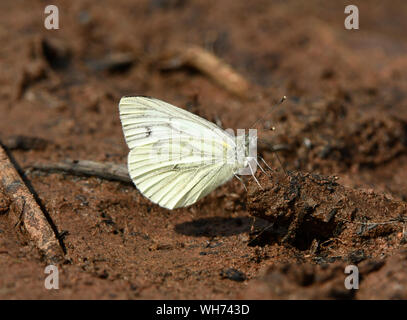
x: 341, y: 136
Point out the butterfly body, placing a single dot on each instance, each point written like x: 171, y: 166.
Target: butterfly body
x: 177, y: 157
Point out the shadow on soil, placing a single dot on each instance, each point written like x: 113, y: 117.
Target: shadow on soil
x: 218, y: 226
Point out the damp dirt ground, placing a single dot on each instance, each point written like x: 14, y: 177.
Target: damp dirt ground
x: 341, y: 136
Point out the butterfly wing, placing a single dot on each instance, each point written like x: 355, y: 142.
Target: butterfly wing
x: 176, y: 157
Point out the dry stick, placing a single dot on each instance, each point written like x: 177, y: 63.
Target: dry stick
x: 26, y: 212
x: 210, y: 65
x: 109, y: 171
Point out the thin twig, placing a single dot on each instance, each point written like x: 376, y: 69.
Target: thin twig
x: 108, y: 171
x: 26, y: 212
x: 210, y: 65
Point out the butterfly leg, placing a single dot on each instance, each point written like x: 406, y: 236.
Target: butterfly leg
x: 251, y: 170
x: 281, y: 164
x: 261, y: 167
x: 240, y: 179
x: 264, y: 161
x: 261, y: 232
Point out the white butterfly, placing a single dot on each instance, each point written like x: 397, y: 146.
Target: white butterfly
x: 176, y: 157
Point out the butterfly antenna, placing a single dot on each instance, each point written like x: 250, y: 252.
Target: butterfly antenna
x: 278, y: 158
x: 281, y: 164
x: 262, y: 119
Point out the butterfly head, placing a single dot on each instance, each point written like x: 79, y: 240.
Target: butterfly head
x: 250, y: 144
